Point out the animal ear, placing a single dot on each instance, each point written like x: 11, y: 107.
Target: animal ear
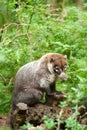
x: 51, y: 60
x: 65, y: 56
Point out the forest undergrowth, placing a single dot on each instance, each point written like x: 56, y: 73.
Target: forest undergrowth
x: 31, y: 30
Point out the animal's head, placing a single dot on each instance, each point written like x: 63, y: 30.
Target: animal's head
x: 57, y: 64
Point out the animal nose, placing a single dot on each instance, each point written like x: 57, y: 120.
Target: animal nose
x: 63, y: 76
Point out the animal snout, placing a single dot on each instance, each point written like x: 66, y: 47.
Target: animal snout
x: 63, y: 76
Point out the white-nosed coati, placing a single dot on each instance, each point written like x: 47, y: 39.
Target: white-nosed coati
x: 38, y: 76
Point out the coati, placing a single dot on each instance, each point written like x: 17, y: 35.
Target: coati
x: 37, y: 77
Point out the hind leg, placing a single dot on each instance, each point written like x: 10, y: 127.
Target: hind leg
x: 28, y: 96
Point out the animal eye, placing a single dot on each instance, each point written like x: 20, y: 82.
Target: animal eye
x: 57, y: 69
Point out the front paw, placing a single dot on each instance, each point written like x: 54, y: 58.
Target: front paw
x: 59, y: 95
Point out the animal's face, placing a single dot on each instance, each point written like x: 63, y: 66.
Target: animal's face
x: 57, y: 64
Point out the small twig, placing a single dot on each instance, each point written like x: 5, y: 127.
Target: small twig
x: 12, y: 24
x: 2, y: 77
x: 18, y: 35
x: 59, y: 119
x: 10, y: 81
x: 28, y: 27
x: 84, y: 115
x: 76, y: 111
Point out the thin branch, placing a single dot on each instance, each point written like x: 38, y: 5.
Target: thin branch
x: 2, y: 77
x: 10, y: 81
x: 18, y: 35
x: 59, y: 119
x: 11, y: 24
x: 30, y: 19
x: 85, y: 115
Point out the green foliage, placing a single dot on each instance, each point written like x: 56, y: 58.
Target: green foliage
x: 5, y: 98
x: 28, y: 32
x: 63, y: 104
x: 49, y: 122
x: 72, y: 124
x: 6, y: 12
x: 4, y: 128
x: 26, y: 126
